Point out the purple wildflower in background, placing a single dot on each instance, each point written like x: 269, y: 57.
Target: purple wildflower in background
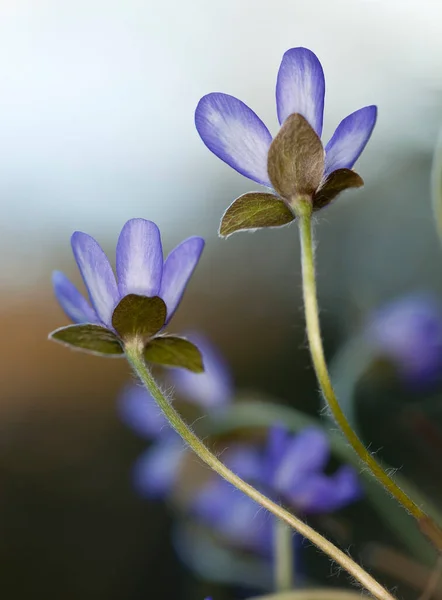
x: 141, y: 303
x: 408, y: 331
x: 290, y: 469
x: 234, y: 133
x: 156, y: 470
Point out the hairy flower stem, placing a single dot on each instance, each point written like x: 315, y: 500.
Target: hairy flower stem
x: 283, y: 556
x: 427, y: 525
x: 134, y: 355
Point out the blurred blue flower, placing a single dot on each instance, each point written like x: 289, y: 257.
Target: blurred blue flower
x: 289, y: 469
x: 234, y: 133
x: 408, y: 331
x: 140, y: 268
x: 156, y: 470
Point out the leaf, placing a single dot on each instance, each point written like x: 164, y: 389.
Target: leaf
x: 93, y: 339
x: 296, y: 159
x: 336, y: 182
x: 436, y: 185
x: 215, y: 561
x: 139, y: 317
x: 253, y: 414
x: 174, y: 351
x: 255, y: 210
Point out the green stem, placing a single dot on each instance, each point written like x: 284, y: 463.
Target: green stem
x: 318, y: 358
x: 134, y: 354
x: 283, y: 556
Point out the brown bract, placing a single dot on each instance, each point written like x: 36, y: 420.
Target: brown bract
x: 295, y: 166
x: 139, y: 317
x: 295, y: 162
x: 254, y: 210
x: 90, y: 338
x: 336, y: 182
x: 136, y: 319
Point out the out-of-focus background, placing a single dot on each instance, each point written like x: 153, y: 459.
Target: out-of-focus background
x: 96, y: 127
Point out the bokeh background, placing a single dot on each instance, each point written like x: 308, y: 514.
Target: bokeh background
x: 96, y: 127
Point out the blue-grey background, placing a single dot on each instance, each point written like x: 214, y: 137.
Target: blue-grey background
x: 96, y: 127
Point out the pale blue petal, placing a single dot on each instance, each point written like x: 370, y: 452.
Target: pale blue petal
x: 232, y: 131
x: 139, y: 258
x: 300, y: 87
x: 74, y: 304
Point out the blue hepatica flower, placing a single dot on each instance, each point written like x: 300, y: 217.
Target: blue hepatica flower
x: 290, y: 469
x: 408, y: 331
x: 294, y: 163
x: 157, y: 469
x: 139, y: 305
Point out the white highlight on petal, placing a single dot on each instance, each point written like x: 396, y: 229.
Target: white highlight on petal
x: 350, y: 139
x: 232, y: 131
x: 300, y: 87
x: 139, y: 258
x: 97, y: 275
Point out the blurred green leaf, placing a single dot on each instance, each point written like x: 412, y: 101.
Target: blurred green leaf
x: 205, y: 555
x: 93, y: 339
x: 174, y: 351
x: 436, y: 185
x: 254, y: 414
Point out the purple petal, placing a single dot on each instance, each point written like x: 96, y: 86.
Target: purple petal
x: 210, y: 389
x: 71, y: 301
x: 245, y: 461
x: 349, y: 139
x: 234, y: 516
x: 305, y: 453
x: 300, y: 87
x: 320, y: 493
x: 408, y: 330
x: 232, y: 131
x: 139, y: 411
x: 177, y: 271
x: 139, y: 258
x: 277, y: 441
x: 97, y: 275
x: 156, y: 471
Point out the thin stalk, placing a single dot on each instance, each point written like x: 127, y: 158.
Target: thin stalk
x: 134, y: 355
x: 283, y: 558
x: 317, y: 352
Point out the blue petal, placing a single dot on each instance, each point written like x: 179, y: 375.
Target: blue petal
x: 246, y: 461
x: 177, y: 271
x: 350, y: 139
x: 300, y: 87
x: 139, y: 258
x: 211, y: 389
x: 72, y: 301
x: 234, y: 516
x: 139, y: 411
x: 319, y: 493
x: 97, y: 275
x: 408, y: 330
x: 232, y: 131
x: 156, y: 471
x: 306, y: 453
